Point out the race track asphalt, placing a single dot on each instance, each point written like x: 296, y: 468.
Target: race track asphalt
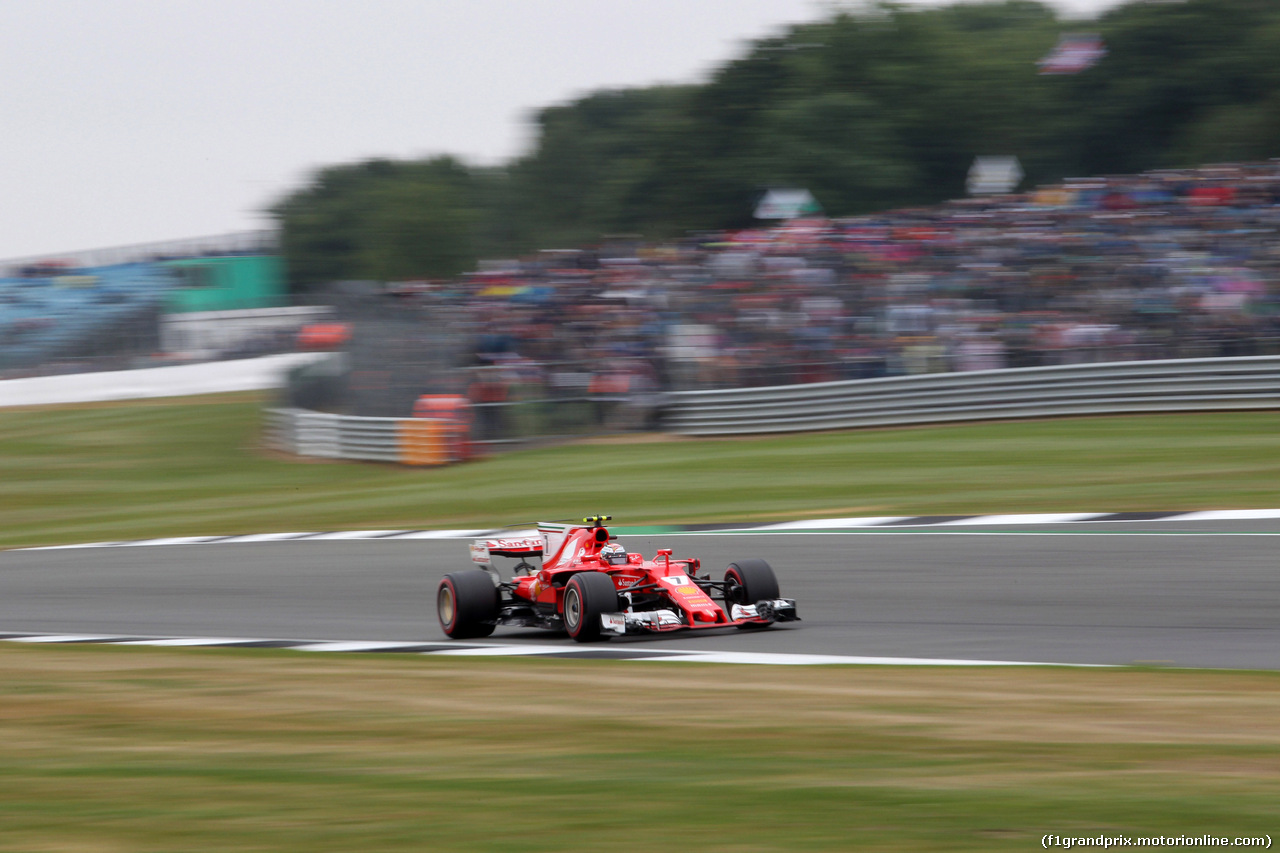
x: 1185, y: 594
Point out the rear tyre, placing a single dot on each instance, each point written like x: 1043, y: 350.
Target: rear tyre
x: 749, y: 581
x: 467, y: 604
x: 586, y: 596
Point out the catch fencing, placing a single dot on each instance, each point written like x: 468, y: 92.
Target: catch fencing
x: 1093, y: 389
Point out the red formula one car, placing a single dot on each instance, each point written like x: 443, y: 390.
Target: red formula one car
x: 591, y: 588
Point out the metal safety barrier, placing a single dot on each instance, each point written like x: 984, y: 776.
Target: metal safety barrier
x: 1086, y: 389
x: 409, y: 441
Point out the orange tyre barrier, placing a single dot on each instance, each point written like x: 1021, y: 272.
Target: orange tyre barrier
x: 424, y: 441
x: 453, y: 413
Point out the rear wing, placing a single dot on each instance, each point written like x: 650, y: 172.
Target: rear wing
x: 483, y: 550
x: 549, y: 541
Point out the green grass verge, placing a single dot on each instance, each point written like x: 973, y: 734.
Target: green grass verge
x: 155, y: 749
x: 196, y: 466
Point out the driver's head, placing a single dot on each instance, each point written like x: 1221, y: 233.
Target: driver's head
x: 613, y: 554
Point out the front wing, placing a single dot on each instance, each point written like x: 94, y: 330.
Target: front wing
x: 761, y: 613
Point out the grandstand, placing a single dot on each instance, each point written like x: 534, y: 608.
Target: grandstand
x: 92, y: 311
x: 105, y: 308
x: 237, y: 243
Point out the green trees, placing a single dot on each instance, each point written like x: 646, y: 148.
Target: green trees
x: 386, y: 221
x: 873, y: 109
x: 597, y: 168
x: 1183, y: 83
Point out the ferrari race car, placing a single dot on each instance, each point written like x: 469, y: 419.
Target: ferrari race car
x: 590, y: 587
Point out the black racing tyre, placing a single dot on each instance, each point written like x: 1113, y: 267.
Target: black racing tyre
x: 749, y: 581
x: 467, y: 604
x: 586, y: 596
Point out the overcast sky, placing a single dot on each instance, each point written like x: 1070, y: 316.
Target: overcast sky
x: 131, y: 121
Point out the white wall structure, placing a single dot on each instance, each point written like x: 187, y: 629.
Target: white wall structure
x: 201, y: 334
x: 186, y: 380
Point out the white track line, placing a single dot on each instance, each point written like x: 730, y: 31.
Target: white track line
x: 1029, y: 518
x: 510, y: 651
x: 71, y: 547
x: 440, y: 534
x: 887, y: 524
x: 778, y: 659
x: 1227, y: 515
x: 187, y: 641
x: 355, y: 646
x: 173, y: 540
x: 58, y: 638
x: 568, y: 650
x: 1112, y: 534
x: 269, y: 537
x: 821, y: 523
x: 353, y: 534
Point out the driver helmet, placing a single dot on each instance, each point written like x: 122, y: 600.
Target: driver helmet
x: 613, y: 554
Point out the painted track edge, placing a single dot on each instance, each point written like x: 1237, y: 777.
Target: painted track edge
x: 810, y: 525
x: 447, y: 648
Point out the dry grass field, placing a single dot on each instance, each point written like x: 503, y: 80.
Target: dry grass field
x: 144, y: 749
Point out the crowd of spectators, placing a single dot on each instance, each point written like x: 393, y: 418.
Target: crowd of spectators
x: 1166, y: 264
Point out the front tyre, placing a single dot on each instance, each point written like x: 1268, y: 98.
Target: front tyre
x: 467, y: 604
x: 587, y: 595
x: 749, y: 581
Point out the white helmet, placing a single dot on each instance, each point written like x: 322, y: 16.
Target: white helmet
x: 613, y: 554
